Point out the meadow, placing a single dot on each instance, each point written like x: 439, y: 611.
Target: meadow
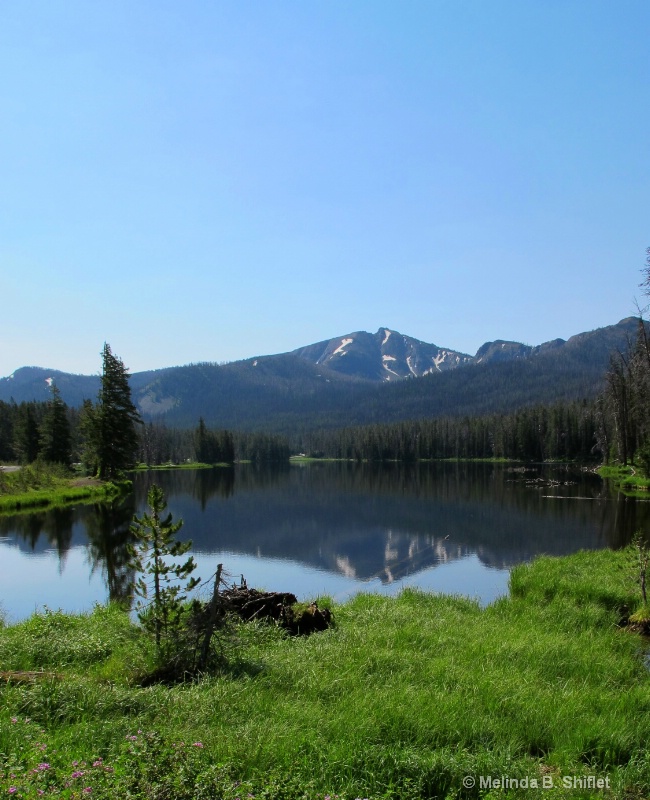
x: 543, y: 693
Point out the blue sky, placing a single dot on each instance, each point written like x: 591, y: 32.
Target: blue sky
x: 207, y: 181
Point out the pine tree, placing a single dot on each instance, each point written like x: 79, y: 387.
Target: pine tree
x: 26, y: 433
x: 160, y: 584
x: 202, y: 446
x: 110, y: 426
x: 55, y: 439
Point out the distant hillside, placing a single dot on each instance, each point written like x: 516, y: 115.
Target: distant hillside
x: 354, y: 379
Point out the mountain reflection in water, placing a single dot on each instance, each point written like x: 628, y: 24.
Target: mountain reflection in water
x: 335, y: 528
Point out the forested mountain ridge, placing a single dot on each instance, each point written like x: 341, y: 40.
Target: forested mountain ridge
x: 360, y: 378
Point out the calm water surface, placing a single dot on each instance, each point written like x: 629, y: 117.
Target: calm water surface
x: 330, y: 528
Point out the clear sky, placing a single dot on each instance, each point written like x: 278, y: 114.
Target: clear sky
x: 208, y: 180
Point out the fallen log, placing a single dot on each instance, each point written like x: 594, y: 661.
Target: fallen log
x: 250, y: 604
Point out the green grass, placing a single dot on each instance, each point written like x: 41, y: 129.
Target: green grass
x: 402, y: 699
x: 185, y: 465
x: 314, y: 459
x: 626, y: 480
x: 43, y: 485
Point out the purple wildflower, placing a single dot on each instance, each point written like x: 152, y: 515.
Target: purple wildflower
x: 197, y: 744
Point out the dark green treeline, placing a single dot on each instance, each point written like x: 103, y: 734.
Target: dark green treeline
x: 52, y: 431
x: 561, y: 432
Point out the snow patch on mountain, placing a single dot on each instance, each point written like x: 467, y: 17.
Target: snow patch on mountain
x: 340, y: 350
x: 439, y: 359
x: 385, y: 360
x: 410, y: 365
x: 387, y: 334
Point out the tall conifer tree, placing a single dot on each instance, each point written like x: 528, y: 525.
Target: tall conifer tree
x: 26, y: 433
x: 55, y: 438
x: 112, y: 439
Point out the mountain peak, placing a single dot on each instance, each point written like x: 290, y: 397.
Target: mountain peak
x: 386, y: 355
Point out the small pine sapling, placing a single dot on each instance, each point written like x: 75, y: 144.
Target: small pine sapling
x: 163, y: 583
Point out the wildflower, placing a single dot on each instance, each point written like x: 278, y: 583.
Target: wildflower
x: 12, y: 790
x: 77, y: 773
x: 87, y: 790
x: 197, y: 744
x: 14, y: 720
x: 42, y: 767
x: 75, y: 763
x: 132, y: 738
x: 97, y: 763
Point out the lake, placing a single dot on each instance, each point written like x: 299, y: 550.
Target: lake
x: 324, y: 529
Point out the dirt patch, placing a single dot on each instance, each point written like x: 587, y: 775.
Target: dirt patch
x: 85, y: 482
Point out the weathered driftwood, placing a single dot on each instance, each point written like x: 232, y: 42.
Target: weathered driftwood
x: 213, y: 615
x: 252, y: 604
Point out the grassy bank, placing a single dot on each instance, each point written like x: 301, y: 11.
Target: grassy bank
x: 412, y: 697
x: 626, y: 480
x: 186, y: 465
x: 44, y: 485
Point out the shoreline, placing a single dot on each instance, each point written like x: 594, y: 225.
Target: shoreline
x: 66, y: 492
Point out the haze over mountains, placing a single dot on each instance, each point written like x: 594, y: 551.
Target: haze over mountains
x: 357, y: 378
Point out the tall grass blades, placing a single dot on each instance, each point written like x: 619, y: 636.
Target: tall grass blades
x: 420, y: 696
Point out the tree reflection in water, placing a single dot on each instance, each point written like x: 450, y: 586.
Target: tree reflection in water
x: 109, y: 536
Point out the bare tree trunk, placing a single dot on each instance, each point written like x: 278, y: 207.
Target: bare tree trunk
x: 211, y: 622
